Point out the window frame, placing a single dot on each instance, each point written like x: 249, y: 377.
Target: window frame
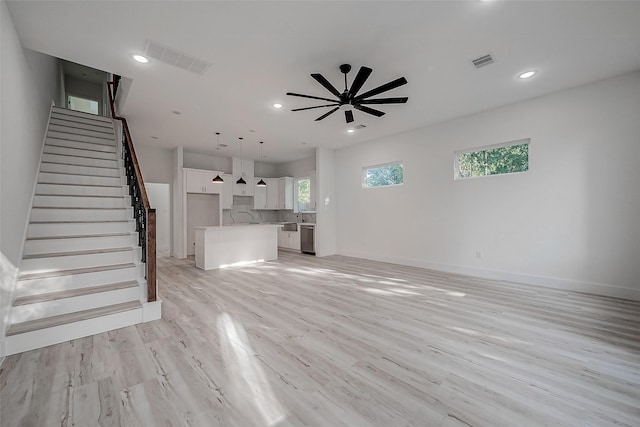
x: 457, y: 153
x: 381, y: 165
x: 296, y: 202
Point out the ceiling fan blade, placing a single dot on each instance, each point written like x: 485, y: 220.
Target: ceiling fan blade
x: 312, y: 97
x: 385, y: 101
x: 361, y: 77
x: 385, y: 87
x: 310, y: 108
x: 326, y: 114
x: 348, y: 115
x: 324, y: 82
x: 368, y: 110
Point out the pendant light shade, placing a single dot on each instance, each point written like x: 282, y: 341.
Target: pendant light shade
x: 261, y: 183
x: 241, y: 180
x: 218, y: 178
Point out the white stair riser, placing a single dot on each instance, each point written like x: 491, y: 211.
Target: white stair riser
x: 79, y: 190
x: 84, y: 152
x: 60, y: 178
x: 55, y: 142
x: 79, y: 229
x: 77, y: 123
x: 82, y: 161
x: 53, y: 214
x: 73, y: 113
x: 79, y: 170
x: 79, y: 202
x: 102, y: 133
x: 24, y: 313
x: 81, y: 138
x: 69, y: 262
x: 50, y: 246
x: 57, y: 334
x: 27, y: 287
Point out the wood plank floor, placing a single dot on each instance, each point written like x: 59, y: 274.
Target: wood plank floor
x: 337, y: 341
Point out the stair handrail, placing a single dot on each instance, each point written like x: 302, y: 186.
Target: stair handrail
x: 143, y: 213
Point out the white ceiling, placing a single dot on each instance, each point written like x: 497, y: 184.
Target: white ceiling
x: 260, y: 50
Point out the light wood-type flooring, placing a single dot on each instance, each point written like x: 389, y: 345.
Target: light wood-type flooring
x: 336, y: 341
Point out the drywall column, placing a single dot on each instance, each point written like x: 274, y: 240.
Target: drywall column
x: 326, y: 208
x: 178, y: 250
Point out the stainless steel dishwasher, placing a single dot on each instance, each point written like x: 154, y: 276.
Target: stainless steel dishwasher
x: 307, y: 244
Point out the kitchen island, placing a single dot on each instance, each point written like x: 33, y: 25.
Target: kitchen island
x: 229, y: 245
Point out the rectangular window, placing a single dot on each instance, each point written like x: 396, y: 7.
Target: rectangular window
x: 82, y: 104
x: 303, y: 194
x: 511, y: 157
x: 382, y: 175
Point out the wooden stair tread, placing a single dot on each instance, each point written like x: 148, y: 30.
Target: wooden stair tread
x: 75, y: 253
x: 80, y: 174
x: 81, y: 185
x: 63, y: 319
x: 58, y: 273
x: 70, y: 293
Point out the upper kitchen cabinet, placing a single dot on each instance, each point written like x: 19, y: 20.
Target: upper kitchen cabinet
x: 227, y: 191
x: 273, y: 193
x: 285, y: 193
x: 259, y: 195
x: 247, y: 189
x: 200, y: 181
x: 243, y: 168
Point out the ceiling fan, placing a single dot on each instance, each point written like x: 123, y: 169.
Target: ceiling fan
x: 350, y: 96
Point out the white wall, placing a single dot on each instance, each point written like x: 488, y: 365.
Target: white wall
x: 24, y: 112
x: 326, y: 210
x: 156, y: 164
x: 297, y: 168
x: 571, y: 222
x: 160, y: 199
x: 207, y: 162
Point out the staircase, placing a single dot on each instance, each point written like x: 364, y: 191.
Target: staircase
x: 80, y: 272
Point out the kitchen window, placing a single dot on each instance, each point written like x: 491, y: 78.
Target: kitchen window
x: 511, y: 157
x: 383, y: 175
x: 302, y: 187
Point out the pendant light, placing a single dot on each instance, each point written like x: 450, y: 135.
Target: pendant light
x: 241, y: 180
x: 261, y: 183
x: 218, y: 178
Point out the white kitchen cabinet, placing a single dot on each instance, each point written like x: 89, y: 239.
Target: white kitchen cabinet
x: 313, y: 192
x: 227, y: 191
x: 285, y: 193
x: 201, y: 181
x: 273, y: 193
x: 289, y: 240
x: 247, y: 189
x: 259, y: 195
x: 243, y: 167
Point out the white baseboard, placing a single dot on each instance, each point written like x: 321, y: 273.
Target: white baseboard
x: 542, y: 281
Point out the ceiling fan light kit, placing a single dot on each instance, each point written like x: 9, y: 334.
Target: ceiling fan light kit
x: 350, y: 98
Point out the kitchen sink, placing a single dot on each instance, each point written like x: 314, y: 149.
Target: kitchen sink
x: 290, y: 226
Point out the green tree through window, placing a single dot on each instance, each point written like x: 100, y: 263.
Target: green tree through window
x: 304, y: 194
x: 509, y: 159
x: 380, y: 176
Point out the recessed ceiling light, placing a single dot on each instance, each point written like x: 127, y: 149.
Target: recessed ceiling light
x: 276, y: 105
x: 527, y: 74
x: 141, y: 59
x: 351, y: 130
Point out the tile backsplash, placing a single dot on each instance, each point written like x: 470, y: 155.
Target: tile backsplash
x: 242, y: 212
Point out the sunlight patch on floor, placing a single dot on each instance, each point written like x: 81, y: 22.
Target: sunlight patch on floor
x: 248, y: 382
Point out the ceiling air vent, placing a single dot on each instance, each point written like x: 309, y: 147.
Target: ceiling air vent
x: 483, y: 60
x: 177, y: 59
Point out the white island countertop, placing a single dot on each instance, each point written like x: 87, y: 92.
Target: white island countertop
x: 229, y: 245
